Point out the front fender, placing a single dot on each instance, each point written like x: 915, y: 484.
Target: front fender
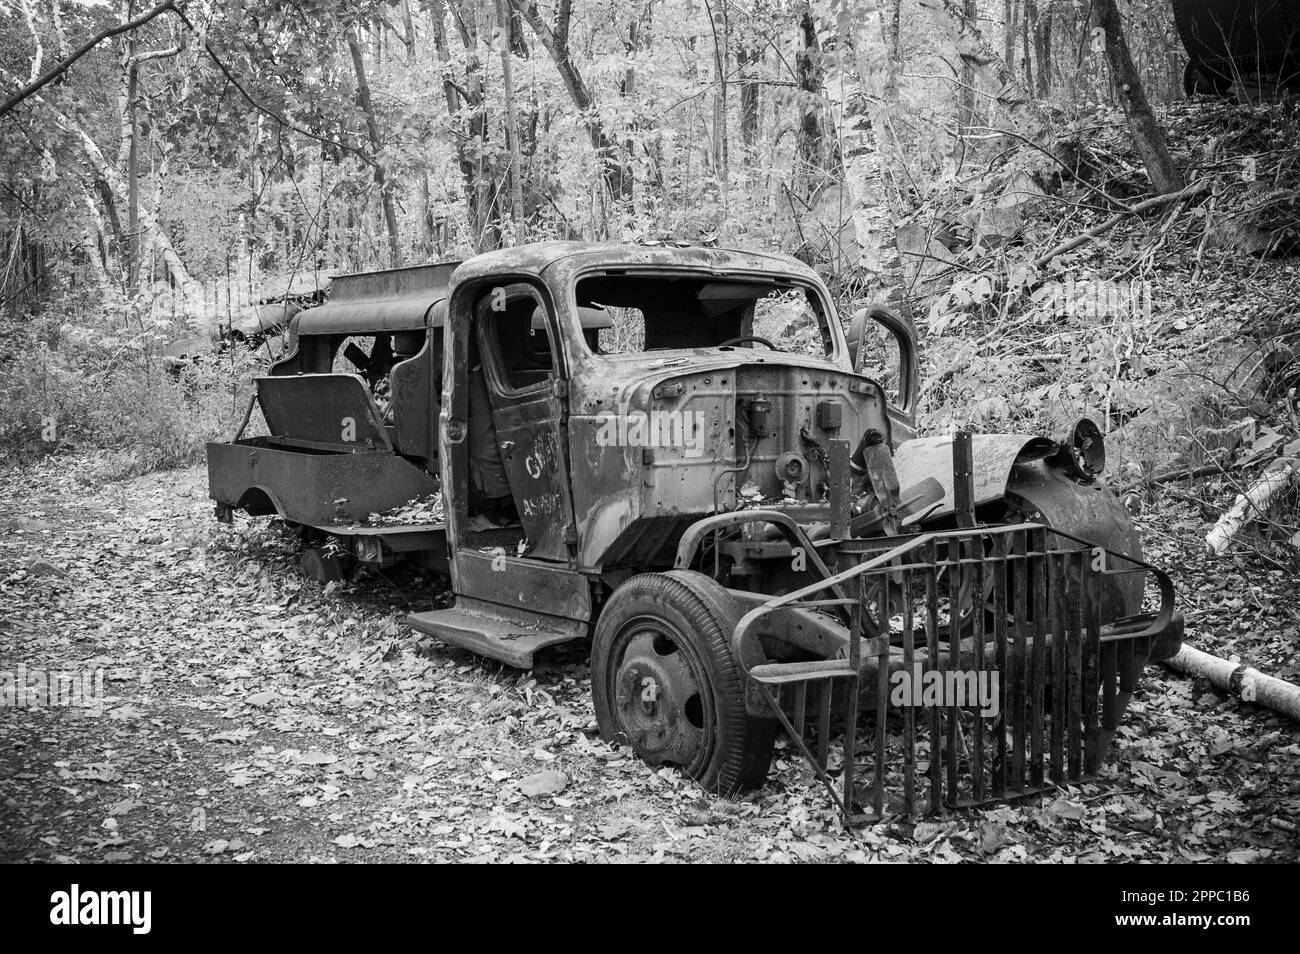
x: 1087, y: 509
x: 1019, y: 470
x: 994, y: 456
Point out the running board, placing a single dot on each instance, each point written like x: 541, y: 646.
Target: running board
x: 480, y: 630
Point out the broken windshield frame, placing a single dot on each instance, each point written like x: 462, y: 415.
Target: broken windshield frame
x: 712, y: 306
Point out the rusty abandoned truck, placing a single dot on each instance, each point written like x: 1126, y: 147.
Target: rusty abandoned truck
x: 679, y: 454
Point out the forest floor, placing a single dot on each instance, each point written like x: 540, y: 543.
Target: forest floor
x: 250, y: 715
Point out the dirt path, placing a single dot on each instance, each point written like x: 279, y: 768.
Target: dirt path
x: 252, y: 716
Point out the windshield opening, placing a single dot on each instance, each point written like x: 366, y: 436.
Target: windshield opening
x: 672, y: 312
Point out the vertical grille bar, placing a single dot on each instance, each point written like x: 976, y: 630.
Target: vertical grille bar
x: 1074, y: 659
x: 932, y: 663
x: 1038, y: 669
x: 800, y: 707
x: 981, y: 665
x: 1057, y: 582
x: 1000, y: 656
x: 1019, y: 709
x: 909, y: 712
x: 1127, y: 667
x: 1109, y: 654
x: 882, y: 700
x: 851, y: 703
x: 824, y: 697
x: 955, y: 577
x: 1091, y: 649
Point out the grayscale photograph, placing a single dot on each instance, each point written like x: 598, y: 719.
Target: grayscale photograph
x: 650, y: 431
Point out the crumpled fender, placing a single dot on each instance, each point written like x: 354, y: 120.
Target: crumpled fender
x: 1087, y: 509
x: 1027, y: 473
x: 994, y: 456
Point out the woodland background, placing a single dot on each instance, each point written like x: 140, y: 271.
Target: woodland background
x: 926, y: 152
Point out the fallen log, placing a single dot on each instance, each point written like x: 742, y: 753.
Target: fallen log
x: 1250, y: 684
x: 1266, y: 488
x: 1145, y: 206
x: 1183, y: 473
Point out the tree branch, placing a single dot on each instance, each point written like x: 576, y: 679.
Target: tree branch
x: 63, y: 65
x: 1144, y: 206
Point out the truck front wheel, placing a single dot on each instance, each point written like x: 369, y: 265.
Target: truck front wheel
x: 665, y: 682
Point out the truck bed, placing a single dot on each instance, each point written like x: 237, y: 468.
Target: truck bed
x: 319, y: 488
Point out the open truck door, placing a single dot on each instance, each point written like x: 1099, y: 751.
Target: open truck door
x: 510, y: 520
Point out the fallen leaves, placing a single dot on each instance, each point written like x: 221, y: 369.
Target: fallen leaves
x: 266, y: 718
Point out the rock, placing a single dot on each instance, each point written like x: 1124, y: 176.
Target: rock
x: 44, y: 568
x: 27, y: 523
x: 549, y: 782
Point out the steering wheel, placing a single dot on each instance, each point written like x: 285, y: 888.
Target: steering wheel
x: 744, y: 338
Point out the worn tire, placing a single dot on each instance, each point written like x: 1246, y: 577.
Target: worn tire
x: 320, y: 566
x: 694, y: 611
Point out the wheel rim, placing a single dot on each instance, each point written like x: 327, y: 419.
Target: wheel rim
x: 662, y: 705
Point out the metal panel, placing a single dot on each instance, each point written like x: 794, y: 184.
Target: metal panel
x: 326, y: 410
x: 312, y: 488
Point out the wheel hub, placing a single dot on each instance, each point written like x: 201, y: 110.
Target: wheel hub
x: 659, y: 701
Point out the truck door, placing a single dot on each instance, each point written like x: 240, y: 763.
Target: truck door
x: 525, y: 384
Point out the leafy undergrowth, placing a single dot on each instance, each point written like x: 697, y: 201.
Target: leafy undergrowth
x: 1176, y: 330
x: 252, y: 716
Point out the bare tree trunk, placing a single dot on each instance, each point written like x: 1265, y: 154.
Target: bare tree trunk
x: 721, y: 160
x: 129, y: 151
x: 638, y: 31
x: 452, y: 96
x: 1009, y: 33
x: 511, y: 122
x: 966, y: 90
x: 814, y: 155
x: 372, y: 129
x: 426, y: 215
x: 617, y: 174
x: 95, y: 242
x: 1042, y: 28
x: 1148, y: 138
x: 746, y: 57
x: 471, y: 22
x: 895, y: 31
x: 1024, y: 47
x: 1007, y: 90
x: 876, y: 176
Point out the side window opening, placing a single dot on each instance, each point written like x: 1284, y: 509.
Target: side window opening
x: 626, y: 333
x: 371, y: 357
x: 516, y: 336
x: 880, y: 359
x: 792, y: 321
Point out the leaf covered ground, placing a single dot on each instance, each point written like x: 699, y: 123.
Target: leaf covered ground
x: 252, y: 716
